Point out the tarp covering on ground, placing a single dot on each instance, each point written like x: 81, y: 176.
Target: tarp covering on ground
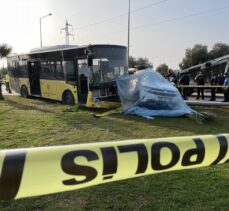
x: 147, y: 93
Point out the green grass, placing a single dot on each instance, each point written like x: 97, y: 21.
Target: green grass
x: 33, y: 122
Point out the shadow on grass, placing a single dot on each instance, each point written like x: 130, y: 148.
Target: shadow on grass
x: 22, y: 106
x: 127, y: 125
x: 6, y: 111
x: 218, y: 124
x: 46, y: 101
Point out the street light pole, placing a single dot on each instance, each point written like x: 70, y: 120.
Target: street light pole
x: 128, y: 45
x: 40, y: 27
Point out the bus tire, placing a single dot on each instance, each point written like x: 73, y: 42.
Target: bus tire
x: 24, y: 92
x: 68, y: 98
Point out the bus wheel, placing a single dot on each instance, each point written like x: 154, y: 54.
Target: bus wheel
x: 68, y: 98
x: 24, y: 92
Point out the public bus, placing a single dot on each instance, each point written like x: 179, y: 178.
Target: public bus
x: 71, y: 74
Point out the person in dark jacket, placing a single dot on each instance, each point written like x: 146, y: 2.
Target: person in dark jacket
x: 213, y: 82
x: 220, y: 81
x: 184, y: 80
x: 200, y: 81
x: 226, y: 88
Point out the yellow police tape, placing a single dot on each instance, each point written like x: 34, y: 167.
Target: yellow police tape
x: 46, y: 170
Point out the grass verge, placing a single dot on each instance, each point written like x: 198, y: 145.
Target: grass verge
x: 33, y: 122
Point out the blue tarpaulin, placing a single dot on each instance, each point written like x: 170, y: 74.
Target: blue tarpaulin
x: 147, y: 93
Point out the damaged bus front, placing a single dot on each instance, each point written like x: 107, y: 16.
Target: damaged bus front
x: 105, y: 65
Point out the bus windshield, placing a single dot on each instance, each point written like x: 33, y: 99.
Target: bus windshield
x: 108, y: 64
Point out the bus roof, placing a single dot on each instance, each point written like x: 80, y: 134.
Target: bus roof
x: 52, y: 48
x: 65, y: 47
x: 57, y: 48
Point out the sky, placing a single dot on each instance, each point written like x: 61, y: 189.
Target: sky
x: 161, y: 30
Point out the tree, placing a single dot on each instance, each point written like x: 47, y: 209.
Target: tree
x: 132, y: 62
x: 3, y: 71
x: 194, y: 56
x: 5, y: 50
x: 218, y: 50
x: 162, y: 68
x: 139, y: 63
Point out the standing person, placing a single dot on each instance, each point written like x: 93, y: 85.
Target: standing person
x: 7, y: 81
x: 200, y: 81
x: 220, y: 81
x: 184, y: 80
x: 213, y: 82
x: 226, y: 89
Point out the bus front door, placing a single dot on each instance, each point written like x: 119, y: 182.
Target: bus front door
x: 34, y: 77
x: 83, y: 74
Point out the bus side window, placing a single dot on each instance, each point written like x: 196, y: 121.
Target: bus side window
x: 52, y: 70
x: 44, y: 70
x: 69, y: 70
x: 59, y: 71
x: 15, y: 67
x: 23, y: 69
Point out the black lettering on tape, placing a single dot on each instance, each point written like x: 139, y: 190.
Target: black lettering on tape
x: 142, y: 155
x: 70, y: 167
x: 156, y: 155
x: 12, y: 170
x: 222, y: 149
x: 199, y: 152
x: 110, y: 162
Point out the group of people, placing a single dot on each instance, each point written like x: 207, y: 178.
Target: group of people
x: 220, y: 80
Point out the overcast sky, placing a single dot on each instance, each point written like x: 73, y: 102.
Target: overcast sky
x: 160, y: 32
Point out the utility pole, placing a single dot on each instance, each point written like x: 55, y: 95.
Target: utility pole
x: 128, y: 45
x: 67, y: 33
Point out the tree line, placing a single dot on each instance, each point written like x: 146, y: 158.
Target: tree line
x: 199, y: 54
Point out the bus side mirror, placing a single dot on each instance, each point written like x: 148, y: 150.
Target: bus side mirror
x: 90, y: 60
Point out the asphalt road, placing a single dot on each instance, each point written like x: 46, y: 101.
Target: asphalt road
x: 206, y: 102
